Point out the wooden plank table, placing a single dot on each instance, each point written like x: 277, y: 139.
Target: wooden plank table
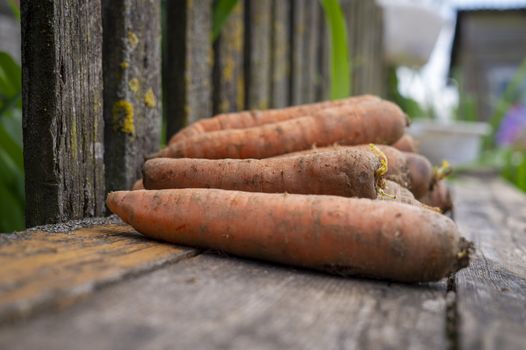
x: 100, y: 285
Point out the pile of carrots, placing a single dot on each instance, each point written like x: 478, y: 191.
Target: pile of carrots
x: 335, y: 186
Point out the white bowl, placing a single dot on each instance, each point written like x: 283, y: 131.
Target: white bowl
x: 457, y: 142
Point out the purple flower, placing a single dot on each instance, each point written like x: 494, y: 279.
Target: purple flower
x: 512, y: 130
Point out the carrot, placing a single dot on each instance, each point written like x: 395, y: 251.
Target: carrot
x: 396, y: 192
x: 138, y: 185
x: 352, y: 173
x: 410, y: 170
x: 247, y: 119
x: 439, y: 197
x: 369, y: 122
x: 350, y: 236
x: 406, y: 144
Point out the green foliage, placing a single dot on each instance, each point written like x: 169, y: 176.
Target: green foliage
x: 14, y: 8
x: 221, y: 12
x: 339, y: 56
x: 467, y: 103
x: 12, y: 201
x: 409, y: 105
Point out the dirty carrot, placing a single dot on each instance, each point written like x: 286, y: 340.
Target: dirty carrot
x: 348, y: 236
x: 439, y: 196
x: 397, y: 192
x: 247, y: 119
x: 406, y: 144
x: 370, y: 122
x: 138, y: 185
x: 410, y: 170
x: 352, y: 173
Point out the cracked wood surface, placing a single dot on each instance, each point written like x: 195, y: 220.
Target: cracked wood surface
x: 213, y: 301
x: 218, y: 301
x: 42, y: 270
x: 491, y: 294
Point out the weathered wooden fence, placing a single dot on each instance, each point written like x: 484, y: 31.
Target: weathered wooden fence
x: 92, y: 82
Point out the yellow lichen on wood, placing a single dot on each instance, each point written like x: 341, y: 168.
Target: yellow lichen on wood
x: 133, y: 39
x: 149, y: 99
x: 123, y: 118
x: 134, y: 85
x: 124, y: 65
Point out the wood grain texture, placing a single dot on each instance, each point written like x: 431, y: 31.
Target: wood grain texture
x: 257, y: 53
x: 323, y: 91
x: 280, y: 51
x: 365, y: 38
x: 187, y: 63
x: 491, y: 294
x: 217, y: 302
x: 132, y: 87
x: 42, y: 270
x: 310, y: 51
x: 229, y: 84
x: 62, y: 110
x: 297, y: 63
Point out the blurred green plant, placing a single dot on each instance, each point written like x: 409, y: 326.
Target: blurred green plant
x: 409, y: 105
x: 466, y: 108
x: 340, y: 64
x: 12, y: 202
x: 220, y: 13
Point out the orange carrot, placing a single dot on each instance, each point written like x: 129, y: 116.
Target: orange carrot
x: 349, y: 236
x: 406, y: 144
x: 370, y: 122
x: 351, y: 173
x: 248, y: 119
x: 410, y: 170
x: 439, y: 196
x: 138, y: 185
x: 396, y: 192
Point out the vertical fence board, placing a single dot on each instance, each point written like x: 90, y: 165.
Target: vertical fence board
x: 257, y: 48
x: 62, y: 109
x: 280, y: 61
x: 229, y: 86
x: 187, y: 63
x: 131, y: 65
x: 365, y: 36
x: 297, y: 65
x: 310, y: 51
x: 324, y: 85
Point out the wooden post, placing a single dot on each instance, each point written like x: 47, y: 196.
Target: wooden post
x: 132, y: 87
x: 229, y: 84
x: 365, y: 32
x: 62, y: 109
x: 280, y: 49
x: 297, y: 64
x: 257, y: 48
x: 324, y: 84
x: 310, y: 51
x: 187, y: 63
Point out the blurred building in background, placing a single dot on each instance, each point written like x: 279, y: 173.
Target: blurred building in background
x: 489, y: 45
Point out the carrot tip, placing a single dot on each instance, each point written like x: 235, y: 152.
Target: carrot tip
x: 466, y: 248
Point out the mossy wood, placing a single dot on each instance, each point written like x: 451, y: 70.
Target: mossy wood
x: 280, y: 54
x: 187, y: 63
x: 365, y: 37
x: 258, y: 26
x: 62, y: 110
x: 229, y: 82
x: 132, y: 87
